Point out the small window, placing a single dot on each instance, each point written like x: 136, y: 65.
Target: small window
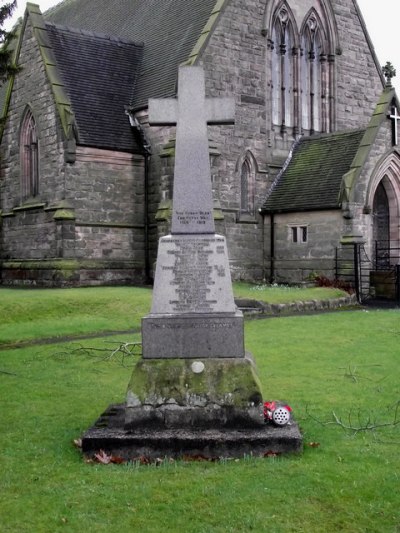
x: 299, y: 234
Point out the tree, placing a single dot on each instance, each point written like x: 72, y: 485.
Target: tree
x: 7, y: 66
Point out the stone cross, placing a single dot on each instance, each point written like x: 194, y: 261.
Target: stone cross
x: 395, y: 117
x: 192, y: 211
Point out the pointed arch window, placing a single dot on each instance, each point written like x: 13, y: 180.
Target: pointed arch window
x: 29, y: 155
x: 283, y: 68
x: 314, y: 89
x: 247, y: 187
x: 302, y: 77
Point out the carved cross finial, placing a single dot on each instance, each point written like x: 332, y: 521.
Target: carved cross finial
x: 389, y: 72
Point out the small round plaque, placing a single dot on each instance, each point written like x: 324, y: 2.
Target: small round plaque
x: 197, y: 367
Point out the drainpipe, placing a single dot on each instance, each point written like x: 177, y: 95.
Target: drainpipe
x: 146, y: 219
x: 263, y: 245
x: 272, y: 249
x: 135, y: 124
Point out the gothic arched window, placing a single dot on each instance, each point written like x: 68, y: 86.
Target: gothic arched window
x: 29, y: 156
x: 247, y: 186
x: 283, y: 68
x: 314, y: 89
x: 302, y: 63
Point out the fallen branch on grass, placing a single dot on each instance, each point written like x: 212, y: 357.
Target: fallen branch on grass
x: 8, y: 373
x: 352, y: 372
x: 120, y: 352
x: 367, y: 425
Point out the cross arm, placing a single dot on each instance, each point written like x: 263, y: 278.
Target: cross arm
x: 220, y: 111
x: 163, y: 112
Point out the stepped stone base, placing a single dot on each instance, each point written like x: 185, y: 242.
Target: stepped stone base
x: 109, y: 434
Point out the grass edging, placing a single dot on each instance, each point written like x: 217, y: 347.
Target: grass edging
x: 257, y: 307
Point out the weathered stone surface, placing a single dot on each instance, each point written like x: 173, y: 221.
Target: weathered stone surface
x: 193, y: 336
x: 109, y: 434
x: 192, y: 276
x: 192, y: 394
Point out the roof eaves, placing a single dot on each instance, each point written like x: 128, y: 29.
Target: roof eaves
x: 280, y: 174
x: 206, y: 33
x: 291, y: 209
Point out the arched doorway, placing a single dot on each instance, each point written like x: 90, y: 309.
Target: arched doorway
x: 384, y: 201
x: 381, y: 227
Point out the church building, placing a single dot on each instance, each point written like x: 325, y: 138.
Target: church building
x: 310, y: 167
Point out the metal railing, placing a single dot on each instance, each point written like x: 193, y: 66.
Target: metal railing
x: 377, y: 279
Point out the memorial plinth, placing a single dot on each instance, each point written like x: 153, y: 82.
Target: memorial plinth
x: 193, y: 314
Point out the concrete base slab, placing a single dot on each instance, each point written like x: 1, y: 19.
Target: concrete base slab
x: 109, y: 434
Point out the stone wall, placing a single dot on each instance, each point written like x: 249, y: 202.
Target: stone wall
x: 301, y: 262
x: 103, y: 192
x: 86, y: 226
x: 237, y: 62
x: 359, y: 85
x: 28, y: 231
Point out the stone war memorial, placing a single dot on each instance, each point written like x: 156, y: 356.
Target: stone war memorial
x: 195, y: 390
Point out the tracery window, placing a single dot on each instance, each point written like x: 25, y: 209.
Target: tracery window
x: 29, y: 157
x: 313, y: 76
x: 302, y: 70
x: 283, y: 68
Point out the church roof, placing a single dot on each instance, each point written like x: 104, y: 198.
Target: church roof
x: 312, y: 176
x: 97, y: 90
x: 169, y: 30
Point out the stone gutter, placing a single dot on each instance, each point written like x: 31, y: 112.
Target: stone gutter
x: 259, y: 308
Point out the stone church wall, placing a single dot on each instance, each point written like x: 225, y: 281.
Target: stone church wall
x: 28, y: 231
x: 104, y: 232
x: 301, y: 262
x: 359, y: 84
x: 86, y: 226
x: 107, y: 191
x: 235, y: 65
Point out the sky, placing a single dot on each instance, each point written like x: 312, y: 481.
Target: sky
x: 381, y: 17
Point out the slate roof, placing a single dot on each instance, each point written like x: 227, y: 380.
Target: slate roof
x: 99, y: 74
x: 169, y: 30
x: 312, y: 177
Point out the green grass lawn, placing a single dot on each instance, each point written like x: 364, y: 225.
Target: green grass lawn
x: 46, y: 313
x: 345, y: 363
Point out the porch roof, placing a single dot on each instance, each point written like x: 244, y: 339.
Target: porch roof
x: 312, y: 176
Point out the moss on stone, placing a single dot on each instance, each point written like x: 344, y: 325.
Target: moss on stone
x: 64, y: 214
x: 223, y: 382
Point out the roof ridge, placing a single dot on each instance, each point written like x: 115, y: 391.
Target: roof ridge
x: 332, y: 134
x: 97, y: 35
x: 57, y: 6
